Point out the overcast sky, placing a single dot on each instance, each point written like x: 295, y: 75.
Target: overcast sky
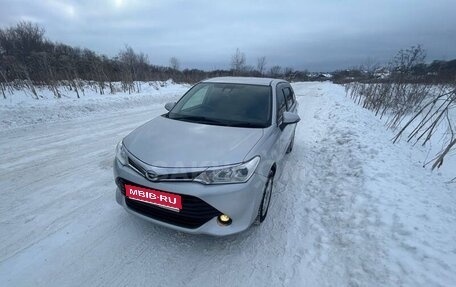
x: 319, y: 35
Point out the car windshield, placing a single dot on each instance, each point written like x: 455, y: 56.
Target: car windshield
x: 239, y: 105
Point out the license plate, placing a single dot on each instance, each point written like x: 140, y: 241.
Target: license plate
x: 155, y: 197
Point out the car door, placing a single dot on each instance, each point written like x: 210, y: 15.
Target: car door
x: 280, y: 134
x: 291, y: 105
x: 284, y: 131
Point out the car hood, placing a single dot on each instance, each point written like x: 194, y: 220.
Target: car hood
x: 164, y: 142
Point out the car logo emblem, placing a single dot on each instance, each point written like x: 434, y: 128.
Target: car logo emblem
x: 152, y: 176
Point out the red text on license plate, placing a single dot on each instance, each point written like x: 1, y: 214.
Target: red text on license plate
x: 157, y: 197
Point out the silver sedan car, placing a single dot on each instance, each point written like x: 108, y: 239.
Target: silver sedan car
x: 207, y: 166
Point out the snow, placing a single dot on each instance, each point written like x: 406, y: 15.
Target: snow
x: 21, y: 108
x: 351, y: 208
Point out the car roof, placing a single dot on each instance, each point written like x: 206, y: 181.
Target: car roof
x: 244, y: 80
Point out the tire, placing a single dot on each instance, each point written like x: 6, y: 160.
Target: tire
x: 290, y: 147
x: 266, y: 200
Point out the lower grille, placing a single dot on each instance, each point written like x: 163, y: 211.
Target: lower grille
x: 195, y: 212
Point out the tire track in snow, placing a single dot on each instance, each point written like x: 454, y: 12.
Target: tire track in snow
x: 343, y: 210
x: 332, y: 204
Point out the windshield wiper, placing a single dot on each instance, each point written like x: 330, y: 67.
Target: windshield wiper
x: 199, y: 119
x: 206, y: 120
x: 246, y: 125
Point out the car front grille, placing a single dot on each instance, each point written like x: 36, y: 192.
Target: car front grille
x: 195, y: 212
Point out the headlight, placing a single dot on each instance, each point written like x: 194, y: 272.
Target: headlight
x: 121, y: 155
x: 232, y: 174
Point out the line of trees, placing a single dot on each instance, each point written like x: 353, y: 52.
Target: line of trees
x: 28, y: 59
x: 408, y: 65
x: 240, y: 68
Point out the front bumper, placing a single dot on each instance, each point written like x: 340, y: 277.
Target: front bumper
x: 240, y: 201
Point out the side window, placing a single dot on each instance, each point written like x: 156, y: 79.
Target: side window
x: 289, y: 97
x: 281, y: 104
x: 197, y: 99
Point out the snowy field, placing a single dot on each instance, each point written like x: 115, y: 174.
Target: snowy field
x: 351, y: 208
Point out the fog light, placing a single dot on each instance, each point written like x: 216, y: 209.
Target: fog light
x: 224, y: 219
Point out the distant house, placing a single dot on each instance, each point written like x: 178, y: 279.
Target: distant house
x: 324, y: 76
x: 382, y: 73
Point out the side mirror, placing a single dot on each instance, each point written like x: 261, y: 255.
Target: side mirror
x: 290, y: 118
x: 169, y: 106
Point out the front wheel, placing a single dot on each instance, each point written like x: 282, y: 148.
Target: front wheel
x: 264, y: 206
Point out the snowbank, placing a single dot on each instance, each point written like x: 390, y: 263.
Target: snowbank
x: 22, y: 108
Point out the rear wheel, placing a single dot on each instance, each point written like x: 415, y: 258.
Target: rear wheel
x: 267, y: 193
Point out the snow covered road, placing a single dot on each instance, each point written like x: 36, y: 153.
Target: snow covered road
x: 351, y: 209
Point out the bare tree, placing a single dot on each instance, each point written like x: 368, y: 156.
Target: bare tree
x: 261, y: 65
x: 289, y: 74
x: 275, y: 71
x: 238, y: 62
x: 174, y: 63
x: 4, y: 86
x: 405, y: 60
x: 129, y: 59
